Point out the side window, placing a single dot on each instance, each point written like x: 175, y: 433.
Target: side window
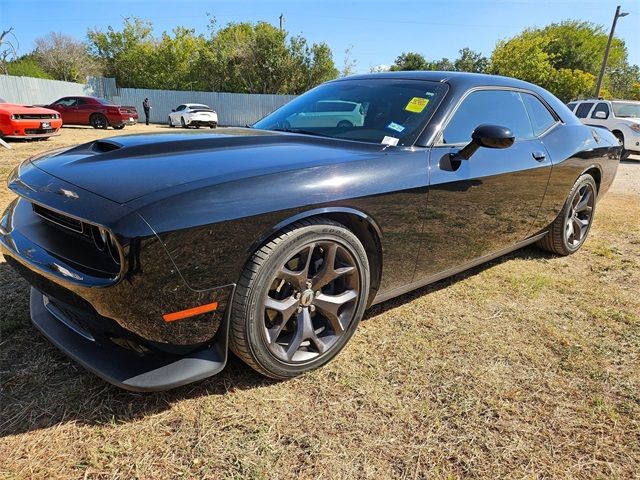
x: 601, y: 107
x: 571, y: 106
x: 180, y: 108
x: 66, y: 102
x: 80, y: 101
x: 583, y: 109
x: 496, y: 107
x: 540, y: 116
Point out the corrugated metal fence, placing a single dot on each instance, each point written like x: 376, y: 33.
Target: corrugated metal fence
x: 236, y: 109
x: 37, y: 90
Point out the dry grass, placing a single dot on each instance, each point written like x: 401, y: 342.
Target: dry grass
x: 525, y: 368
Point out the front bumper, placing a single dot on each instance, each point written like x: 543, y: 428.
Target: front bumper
x: 124, y: 367
x: 31, y: 128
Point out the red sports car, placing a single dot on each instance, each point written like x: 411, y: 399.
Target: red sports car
x: 97, y: 112
x: 27, y: 121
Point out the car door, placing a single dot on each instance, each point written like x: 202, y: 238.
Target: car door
x: 175, y: 115
x: 483, y: 205
x: 64, y: 106
x: 82, y: 110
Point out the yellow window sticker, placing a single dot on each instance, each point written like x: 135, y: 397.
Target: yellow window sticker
x: 417, y: 104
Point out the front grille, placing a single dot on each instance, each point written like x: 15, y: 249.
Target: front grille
x: 34, y: 116
x: 38, y: 131
x: 59, y: 219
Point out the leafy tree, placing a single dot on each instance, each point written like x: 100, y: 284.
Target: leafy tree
x: 64, y: 57
x: 471, y: 61
x: 442, y: 65
x: 409, y: 61
x: 27, y: 66
x: 565, y: 58
x: 241, y: 57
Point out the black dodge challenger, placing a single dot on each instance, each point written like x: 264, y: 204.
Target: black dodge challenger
x: 151, y: 255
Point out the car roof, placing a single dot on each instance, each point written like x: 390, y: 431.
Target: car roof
x: 461, y: 79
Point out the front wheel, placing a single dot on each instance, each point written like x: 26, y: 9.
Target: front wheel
x: 171, y: 125
x: 570, y: 229
x: 182, y: 122
x: 300, y: 299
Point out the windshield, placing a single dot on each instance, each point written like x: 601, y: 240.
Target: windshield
x: 392, y: 112
x: 626, y: 109
x: 104, y: 101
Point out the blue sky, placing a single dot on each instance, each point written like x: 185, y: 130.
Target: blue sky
x: 377, y: 30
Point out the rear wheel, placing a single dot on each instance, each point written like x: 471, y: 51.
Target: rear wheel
x: 213, y: 125
x: 570, y: 229
x: 98, y: 120
x: 300, y: 298
x: 118, y: 127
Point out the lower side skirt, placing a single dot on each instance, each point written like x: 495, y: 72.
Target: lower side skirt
x: 123, y: 367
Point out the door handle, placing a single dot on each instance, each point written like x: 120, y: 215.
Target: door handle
x: 539, y: 156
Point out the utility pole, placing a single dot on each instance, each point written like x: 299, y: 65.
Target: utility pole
x: 606, y: 52
x: 281, y: 22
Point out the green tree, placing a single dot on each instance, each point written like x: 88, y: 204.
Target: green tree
x: 471, y: 61
x: 410, y: 61
x: 565, y: 59
x: 27, y: 66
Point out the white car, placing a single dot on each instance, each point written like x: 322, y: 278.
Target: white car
x: 193, y: 115
x: 622, y: 117
x: 329, y: 113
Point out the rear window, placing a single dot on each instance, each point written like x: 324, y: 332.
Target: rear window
x: 104, y: 101
x: 583, y: 109
x: 540, y: 116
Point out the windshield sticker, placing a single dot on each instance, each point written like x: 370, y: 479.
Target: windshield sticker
x: 393, y: 141
x: 396, y: 127
x: 417, y: 104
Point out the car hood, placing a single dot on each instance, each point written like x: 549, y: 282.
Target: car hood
x: 126, y: 168
x: 26, y: 109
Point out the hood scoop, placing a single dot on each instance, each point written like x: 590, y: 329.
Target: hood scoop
x: 104, y: 146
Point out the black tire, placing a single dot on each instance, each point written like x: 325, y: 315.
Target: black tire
x: 558, y: 239
x: 171, y: 125
x: 118, y: 127
x: 98, y: 120
x: 182, y: 122
x: 345, y: 124
x: 251, y: 319
x: 625, y: 153
x: 213, y: 125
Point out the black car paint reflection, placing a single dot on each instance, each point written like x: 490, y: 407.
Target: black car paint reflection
x: 189, y: 210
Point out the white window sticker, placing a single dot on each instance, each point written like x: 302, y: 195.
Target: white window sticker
x: 393, y: 141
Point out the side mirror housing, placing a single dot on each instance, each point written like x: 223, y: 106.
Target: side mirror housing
x: 173, y: 109
x: 601, y: 115
x: 487, y: 136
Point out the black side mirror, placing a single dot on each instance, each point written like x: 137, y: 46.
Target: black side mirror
x: 173, y: 109
x: 488, y: 136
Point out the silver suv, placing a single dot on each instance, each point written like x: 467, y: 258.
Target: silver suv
x: 622, y: 117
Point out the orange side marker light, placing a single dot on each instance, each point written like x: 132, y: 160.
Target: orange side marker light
x: 190, y: 312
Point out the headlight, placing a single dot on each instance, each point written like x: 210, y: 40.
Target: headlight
x: 15, y: 116
x: 635, y: 127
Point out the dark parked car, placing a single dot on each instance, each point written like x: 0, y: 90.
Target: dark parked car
x: 150, y: 256
x: 97, y: 112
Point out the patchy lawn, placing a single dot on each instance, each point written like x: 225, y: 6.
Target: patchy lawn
x: 527, y: 367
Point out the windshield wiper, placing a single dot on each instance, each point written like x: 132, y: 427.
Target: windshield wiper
x: 300, y: 130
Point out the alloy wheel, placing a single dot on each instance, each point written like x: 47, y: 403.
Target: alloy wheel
x: 579, y: 215
x: 311, y: 301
